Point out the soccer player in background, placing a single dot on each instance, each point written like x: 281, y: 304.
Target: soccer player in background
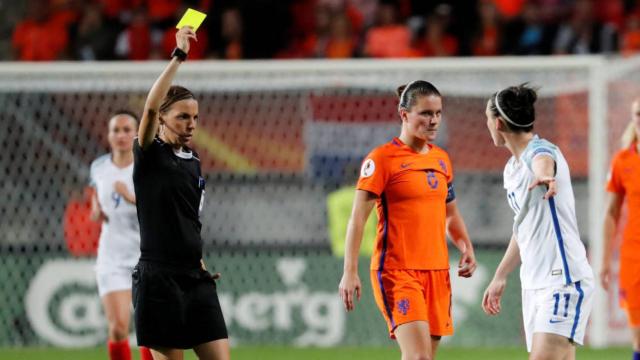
x: 175, y: 299
x: 556, y: 278
x: 624, y: 183
x: 113, y: 202
x: 410, y: 181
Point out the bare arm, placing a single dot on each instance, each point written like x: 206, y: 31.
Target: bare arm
x: 149, y: 122
x: 121, y: 188
x: 611, y: 218
x: 457, y: 231
x: 96, y: 211
x: 350, y: 283
x: 493, y: 293
x: 544, y: 169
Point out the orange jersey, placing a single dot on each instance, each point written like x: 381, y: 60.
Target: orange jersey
x: 412, y: 191
x: 624, y: 179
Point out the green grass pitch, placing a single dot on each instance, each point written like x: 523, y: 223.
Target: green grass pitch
x: 285, y: 353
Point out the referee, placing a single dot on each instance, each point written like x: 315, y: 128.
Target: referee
x: 175, y: 301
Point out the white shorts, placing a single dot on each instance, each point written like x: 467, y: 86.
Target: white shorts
x: 114, y: 280
x: 561, y: 309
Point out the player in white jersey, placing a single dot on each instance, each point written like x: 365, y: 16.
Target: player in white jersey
x: 119, y: 246
x: 556, y: 278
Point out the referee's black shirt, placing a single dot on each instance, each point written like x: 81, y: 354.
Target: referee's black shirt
x: 169, y: 190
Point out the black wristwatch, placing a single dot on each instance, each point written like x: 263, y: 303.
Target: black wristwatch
x: 181, y: 55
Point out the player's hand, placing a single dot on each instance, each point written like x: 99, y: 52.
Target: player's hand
x: 467, y: 264
x: 121, y: 188
x: 349, y: 288
x: 182, y: 38
x: 550, y: 183
x: 605, y: 276
x: 492, y: 296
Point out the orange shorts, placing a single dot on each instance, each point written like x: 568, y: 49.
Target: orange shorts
x: 630, y: 289
x: 404, y: 296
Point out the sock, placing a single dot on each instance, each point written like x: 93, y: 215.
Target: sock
x: 145, y: 353
x: 636, y: 355
x: 119, y: 350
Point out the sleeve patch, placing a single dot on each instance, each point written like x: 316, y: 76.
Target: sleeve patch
x: 451, y: 193
x: 368, y: 168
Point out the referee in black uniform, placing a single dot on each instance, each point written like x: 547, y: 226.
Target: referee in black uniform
x: 175, y: 301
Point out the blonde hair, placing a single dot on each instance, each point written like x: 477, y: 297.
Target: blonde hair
x: 630, y: 135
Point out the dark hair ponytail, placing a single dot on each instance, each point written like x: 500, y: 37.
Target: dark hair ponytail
x: 176, y: 93
x: 515, y: 106
x: 408, y: 94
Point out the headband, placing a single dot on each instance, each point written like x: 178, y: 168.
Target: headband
x: 504, y: 116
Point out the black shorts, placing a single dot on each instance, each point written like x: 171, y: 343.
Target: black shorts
x: 175, y: 308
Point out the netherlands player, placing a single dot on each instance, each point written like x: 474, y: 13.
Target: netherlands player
x: 175, y: 299
x: 624, y: 183
x: 410, y: 181
x: 113, y: 202
x: 556, y: 278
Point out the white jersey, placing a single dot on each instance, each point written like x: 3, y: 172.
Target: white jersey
x: 119, y: 245
x: 546, y: 230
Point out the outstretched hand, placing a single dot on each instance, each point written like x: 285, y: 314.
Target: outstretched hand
x: 182, y: 38
x: 549, y: 181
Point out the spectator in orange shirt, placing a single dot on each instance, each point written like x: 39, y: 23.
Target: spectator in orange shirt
x: 389, y: 38
x: 341, y: 43
x: 624, y: 184
x: 410, y: 182
x: 436, y: 41
x: 39, y: 37
x: 630, y: 43
x: 486, y: 41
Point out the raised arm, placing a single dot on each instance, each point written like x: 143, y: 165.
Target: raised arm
x: 350, y: 285
x: 611, y: 218
x: 149, y: 122
x: 457, y: 231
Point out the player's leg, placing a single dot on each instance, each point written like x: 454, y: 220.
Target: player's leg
x: 167, y: 354
x: 551, y: 347
x: 117, y: 308
x: 414, y: 340
x: 213, y: 350
x: 437, y: 290
x: 635, y: 337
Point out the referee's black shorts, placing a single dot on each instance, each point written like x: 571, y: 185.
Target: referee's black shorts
x: 175, y: 308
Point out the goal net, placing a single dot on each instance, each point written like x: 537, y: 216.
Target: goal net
x: 281, y: 144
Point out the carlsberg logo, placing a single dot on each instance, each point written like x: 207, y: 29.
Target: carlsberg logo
x: 64, y: 309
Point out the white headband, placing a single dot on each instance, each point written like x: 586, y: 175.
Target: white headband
x: 404, y: 91
x: 504, y: 116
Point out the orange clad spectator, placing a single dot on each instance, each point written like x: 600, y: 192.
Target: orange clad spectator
x: 389, y: 38
x: 162, y: 10
x: 631, y: 36
x: 509, y: 8
x: 341, y: 42
x: 487, y: 39
x: 436, y: 41
x: 39, y: 37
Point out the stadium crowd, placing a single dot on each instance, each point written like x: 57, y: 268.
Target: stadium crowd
x: 45, y: 30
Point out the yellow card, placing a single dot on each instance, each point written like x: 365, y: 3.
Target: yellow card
x: 193, y: 18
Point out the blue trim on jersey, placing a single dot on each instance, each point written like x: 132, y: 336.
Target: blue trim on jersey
x: 385, y: 212
x: 556, y: 226
x: 577, y: 318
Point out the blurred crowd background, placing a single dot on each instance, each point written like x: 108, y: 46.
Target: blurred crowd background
x: 45, y: 30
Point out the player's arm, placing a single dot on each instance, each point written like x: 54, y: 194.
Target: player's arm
x: 149, y: 122
x: 121, y: 188
x: 96, y: 211
x: 457, y: 231
x: 611, y: 218
x: 493, y: 294
x: 544, y: 170
x: 350, y: 285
